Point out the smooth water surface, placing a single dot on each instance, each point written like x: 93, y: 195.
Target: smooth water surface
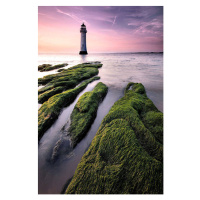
x: 57, y: 161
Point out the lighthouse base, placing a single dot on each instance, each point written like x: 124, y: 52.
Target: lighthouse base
x: 83, y: 52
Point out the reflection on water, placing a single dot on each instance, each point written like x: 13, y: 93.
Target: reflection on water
x: 57, y: 161
x: 83, y: 58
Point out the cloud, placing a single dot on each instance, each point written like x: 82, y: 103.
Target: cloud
x: 108, y: 19
x: 138, y: 15
x: 41, y: 14
x: 114, y: 19
x: 149, y: 28
x: 134, y: 23
x: 145, y: 23
x: 46, y: 15
x: 74, y: 17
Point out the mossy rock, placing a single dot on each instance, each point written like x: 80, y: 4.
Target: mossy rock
x: 126, y: 155
x: 65, y: 84
x: 80, y: 71
x: 50, y: 110
x: 46, y: 92
x: 42, y: 67
x: 66, y: 79
x: 49, y: 93
x: 84, y: 112
x: 49, y: 67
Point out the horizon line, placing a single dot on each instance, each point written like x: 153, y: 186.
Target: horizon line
x: 102, y: 52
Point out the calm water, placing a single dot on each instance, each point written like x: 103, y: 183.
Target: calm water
x: 57, y: 162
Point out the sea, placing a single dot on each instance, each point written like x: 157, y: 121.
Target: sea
x: 57, y: 162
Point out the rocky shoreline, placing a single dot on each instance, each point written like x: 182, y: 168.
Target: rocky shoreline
x: 84, y: 112
x: 52, y: 101
x: 126, y: 155
x: 49, y: 67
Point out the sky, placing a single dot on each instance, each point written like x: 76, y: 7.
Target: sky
x: 109, y: 28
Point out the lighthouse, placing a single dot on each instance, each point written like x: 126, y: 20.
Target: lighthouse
x: 83, y: 32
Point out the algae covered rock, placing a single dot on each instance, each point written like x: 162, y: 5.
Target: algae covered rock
x: 46, y: 95
x: 77, y: 72
x: 43, y: 67
x: 66, y: 79
x: 50, y: 110
x: 126, y: 155
x: 51, y: 89
x: 49, y: 67
x: 85, y: 111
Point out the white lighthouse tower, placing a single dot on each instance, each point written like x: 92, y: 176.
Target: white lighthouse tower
x: 83, y: 32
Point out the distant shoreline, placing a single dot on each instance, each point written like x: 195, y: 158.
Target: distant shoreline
x: 106, y: 53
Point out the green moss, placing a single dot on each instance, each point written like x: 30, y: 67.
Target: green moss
x: 67, y: 78
x: 48, y: 67
x: 136, y: 87
x: 60, y: 70
x: 78, y: 72
x: 85, y: 111
x: 50, y: 110
x: 49, y: 93
x: 42, y: 67
x: 154, y: 122
x: 65, y: 84
x: 125, y: 157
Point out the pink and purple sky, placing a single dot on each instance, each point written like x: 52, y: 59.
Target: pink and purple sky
x: 110, y: 28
